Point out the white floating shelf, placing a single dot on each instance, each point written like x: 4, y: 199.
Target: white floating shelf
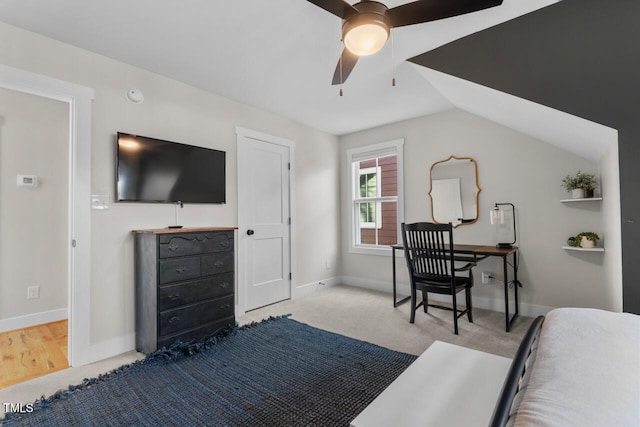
x: 588, y: 199
x: 573, y: 248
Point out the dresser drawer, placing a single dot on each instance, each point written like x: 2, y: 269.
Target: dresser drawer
x: 174, y: 270
x: 171, y: 296
x: 178, y: 245
x: 191, y: 316
x: 200, y: 333
x: 217, y: 263
x: 218, y: 242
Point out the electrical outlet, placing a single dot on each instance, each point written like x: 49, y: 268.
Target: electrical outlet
x: 33, y: 292
x: 486, y: 277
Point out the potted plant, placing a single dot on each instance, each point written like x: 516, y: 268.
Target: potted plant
x: 587, y: 239
x: 579, y: 184
x: 588, y: 191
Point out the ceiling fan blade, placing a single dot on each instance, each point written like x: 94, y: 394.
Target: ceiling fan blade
x: 346, y: 64
x: 432, y: 10
x: 340, y: 8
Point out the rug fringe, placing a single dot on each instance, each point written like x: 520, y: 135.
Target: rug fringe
x: 179, y: 349
x: 176, y: 351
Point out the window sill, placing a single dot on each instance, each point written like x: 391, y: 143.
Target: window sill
x: 371, y: 250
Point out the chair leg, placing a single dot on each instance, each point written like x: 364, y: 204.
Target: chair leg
x: 468, y: 292
x: 455, y: 314
x: 425, y: 301
x: 413, y: 304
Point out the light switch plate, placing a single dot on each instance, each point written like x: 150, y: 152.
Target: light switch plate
x: 99, y: 201
x: 27, y: 181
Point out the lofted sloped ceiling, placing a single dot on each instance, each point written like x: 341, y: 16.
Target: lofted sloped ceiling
x: 278, y: 55
x: 581, y: 57
x: 577, y: 56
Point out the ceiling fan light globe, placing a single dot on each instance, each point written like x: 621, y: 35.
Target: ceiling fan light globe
x: 366, y: 39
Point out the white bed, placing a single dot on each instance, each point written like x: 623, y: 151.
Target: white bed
x: 583, y: 370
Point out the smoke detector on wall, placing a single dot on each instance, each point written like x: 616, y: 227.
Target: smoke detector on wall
x: 135, y: 96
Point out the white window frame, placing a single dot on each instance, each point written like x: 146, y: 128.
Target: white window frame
x: 370, y: 152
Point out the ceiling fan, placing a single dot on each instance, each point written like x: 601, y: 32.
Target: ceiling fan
x: 366, y: 25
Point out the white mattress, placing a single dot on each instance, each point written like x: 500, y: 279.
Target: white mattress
x: 586, y: 372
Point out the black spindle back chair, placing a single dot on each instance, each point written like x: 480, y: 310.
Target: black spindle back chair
x: 430, y: 257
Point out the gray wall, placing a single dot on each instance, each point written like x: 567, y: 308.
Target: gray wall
x: 577, y: 56
x: 34, y: 140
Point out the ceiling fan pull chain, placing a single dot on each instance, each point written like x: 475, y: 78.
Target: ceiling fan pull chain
x: 368, y: 24
x: 341, y: 81
x: 393, y: 62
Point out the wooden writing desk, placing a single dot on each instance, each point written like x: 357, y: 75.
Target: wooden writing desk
x: 478, y: 252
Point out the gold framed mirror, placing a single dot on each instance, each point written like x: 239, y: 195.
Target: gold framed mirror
x: 454, y: 191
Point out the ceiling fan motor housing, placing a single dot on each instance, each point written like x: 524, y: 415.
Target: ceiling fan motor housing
x: 372, y: 14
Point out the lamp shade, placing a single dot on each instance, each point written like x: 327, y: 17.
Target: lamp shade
x: 496, y: 216
x: 366, y: 39
x: 366, y: 32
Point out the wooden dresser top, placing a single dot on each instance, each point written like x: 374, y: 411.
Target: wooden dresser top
x: 183, y: 230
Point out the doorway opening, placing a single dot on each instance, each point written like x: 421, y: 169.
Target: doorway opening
x: 77, y: 239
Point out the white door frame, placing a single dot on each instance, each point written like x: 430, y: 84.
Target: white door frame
x: 243, y: 174
x: 79, y: 222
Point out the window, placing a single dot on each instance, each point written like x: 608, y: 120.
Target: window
x: 375, y: 181
x: 370, y: 187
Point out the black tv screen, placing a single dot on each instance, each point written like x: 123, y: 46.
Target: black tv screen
x: 153, y: 170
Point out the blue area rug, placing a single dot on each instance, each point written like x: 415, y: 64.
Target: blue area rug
x: 275, y: 373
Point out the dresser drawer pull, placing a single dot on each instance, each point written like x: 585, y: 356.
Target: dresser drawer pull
x: 224, y: 243
x: 224, y: 285
x: 218, y: 264
x: 174, y: 319
x: 174, y: 297
x: 225, y: 306
x: 174, y: 247
x: 181, y: 269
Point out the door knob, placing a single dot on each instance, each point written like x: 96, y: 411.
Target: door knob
x: 250, y: 232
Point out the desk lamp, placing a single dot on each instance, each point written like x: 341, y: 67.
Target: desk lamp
x: 497, y: 218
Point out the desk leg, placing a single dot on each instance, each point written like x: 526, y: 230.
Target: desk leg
x: 506, y: 293
x: 509, y: 320
x: 516, y: 284
x: 393, y: 265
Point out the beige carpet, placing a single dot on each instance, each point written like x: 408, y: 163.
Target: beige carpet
x: 359, y: 313
x: 370, y: 316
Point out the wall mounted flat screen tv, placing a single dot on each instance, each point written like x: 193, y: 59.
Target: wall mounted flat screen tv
x: 153, y: 170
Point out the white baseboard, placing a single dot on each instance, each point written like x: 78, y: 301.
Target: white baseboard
x: 403, y: 289
x: 309, y: 288
x: 29, y: 320
x: 305, y: 289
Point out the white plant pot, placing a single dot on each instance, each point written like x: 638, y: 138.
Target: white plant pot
x: 577, y: 193
x: 586, y: 243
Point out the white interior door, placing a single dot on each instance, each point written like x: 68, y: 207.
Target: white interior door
x: 264, y: 220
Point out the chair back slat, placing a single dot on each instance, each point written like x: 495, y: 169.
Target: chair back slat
x: 429, y: 249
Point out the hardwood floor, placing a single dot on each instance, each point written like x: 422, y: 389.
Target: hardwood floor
x: 32, y: 352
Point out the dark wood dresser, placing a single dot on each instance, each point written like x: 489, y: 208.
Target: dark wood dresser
x: 184, y: 285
